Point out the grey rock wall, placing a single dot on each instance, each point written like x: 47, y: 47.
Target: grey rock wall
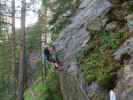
x: 124, y: 88
x: 94, y: 16
x: 71, y: 40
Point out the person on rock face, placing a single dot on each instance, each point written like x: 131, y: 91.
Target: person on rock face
x: 50, y: 56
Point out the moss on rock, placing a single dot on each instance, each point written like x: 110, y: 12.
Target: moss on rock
x: 97, y: 61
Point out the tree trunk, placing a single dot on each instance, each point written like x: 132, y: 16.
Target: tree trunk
x: 45, y: 26
x: 13, y: 59
x: 22, y: 54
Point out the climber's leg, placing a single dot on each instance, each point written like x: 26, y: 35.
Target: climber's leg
x: 56, y: 65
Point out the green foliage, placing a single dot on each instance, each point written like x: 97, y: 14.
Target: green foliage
x: 34, y: 37
x: 60, y: 16
x: 52, y: 90
x: 58, y: 26
x: 45, y: 3
x: 4, y: 62
x: 97, y: 61
x: 109, y: 40
x: 4, y: 69
x: 49, y: 90
x: 130, y: 7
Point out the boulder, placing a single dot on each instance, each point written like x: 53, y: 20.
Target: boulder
x: 95, y: 92
x: 97, y: 25
x: 111, y: 26
x: 129, y: 19
x: 124, y: 88
x: 126, y: 48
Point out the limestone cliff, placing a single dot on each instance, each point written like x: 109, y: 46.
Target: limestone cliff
x: 94, y: 16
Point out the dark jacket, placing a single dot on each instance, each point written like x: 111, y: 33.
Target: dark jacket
x: 47, y: 54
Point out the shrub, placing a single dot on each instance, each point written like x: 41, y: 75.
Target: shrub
x: 96, y: 59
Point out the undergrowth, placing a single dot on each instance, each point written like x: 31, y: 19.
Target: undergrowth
x: 96, y: 59
x: 47, y: 90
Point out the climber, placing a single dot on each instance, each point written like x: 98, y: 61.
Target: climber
x: 50, y: 56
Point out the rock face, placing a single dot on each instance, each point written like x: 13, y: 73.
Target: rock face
x: 72, y: 84
x: 71, y: 40
x: 95, y: 92
x: 75, y: 35
x: 124, y: 88
x: 92, y: 16
x: 129, y: 19
x: 126, y: 48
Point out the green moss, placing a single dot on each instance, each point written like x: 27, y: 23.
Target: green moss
x: 130, y: 7
x: 97, y: 61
